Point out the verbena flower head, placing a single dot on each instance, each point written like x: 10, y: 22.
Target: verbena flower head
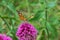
x: 26, y: 31
x: 5, y: 37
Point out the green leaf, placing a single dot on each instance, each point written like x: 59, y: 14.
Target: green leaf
x: 12, y: 8
x: 43, y: 35
x: 37, y: 16
x: 1, y: 29
x: 52, y: 29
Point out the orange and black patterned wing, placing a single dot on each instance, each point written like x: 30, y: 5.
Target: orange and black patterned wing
x: 21, y: 16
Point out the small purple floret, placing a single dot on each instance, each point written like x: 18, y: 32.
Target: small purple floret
x: 5, y: 37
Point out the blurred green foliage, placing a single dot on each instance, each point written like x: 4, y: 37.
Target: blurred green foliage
x: 46, y: 17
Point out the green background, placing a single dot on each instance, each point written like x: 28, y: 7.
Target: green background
x: 46, y: 17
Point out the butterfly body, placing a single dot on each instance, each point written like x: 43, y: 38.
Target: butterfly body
x: 21, y: 16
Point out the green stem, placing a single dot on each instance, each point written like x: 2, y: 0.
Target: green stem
x: 27, y: 3
x: 6, y: 17
x: 6, y: 23
x: 46, y: 15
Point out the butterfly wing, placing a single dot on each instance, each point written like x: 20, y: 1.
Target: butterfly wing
x: 21, y: 16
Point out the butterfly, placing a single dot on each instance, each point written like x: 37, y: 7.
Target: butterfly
x: 21, y: 16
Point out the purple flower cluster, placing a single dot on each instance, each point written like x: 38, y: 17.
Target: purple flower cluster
x: 26, y: 31
x: 5, y: 37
